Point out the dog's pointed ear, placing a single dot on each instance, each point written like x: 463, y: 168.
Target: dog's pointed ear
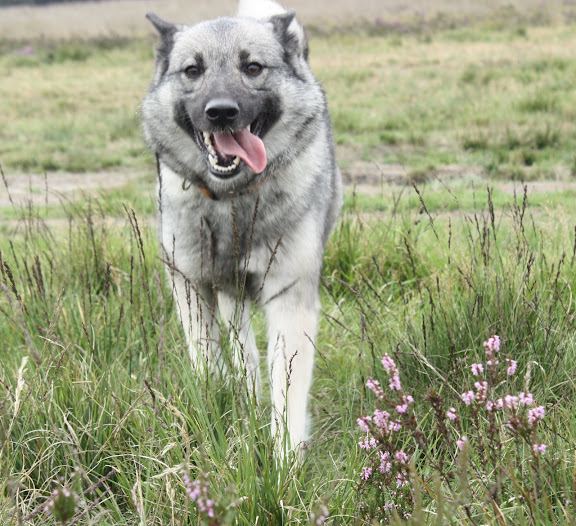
x: 166, y: 29
x: 291, y: 33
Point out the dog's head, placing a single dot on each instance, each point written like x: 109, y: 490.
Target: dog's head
x: 220, y: 88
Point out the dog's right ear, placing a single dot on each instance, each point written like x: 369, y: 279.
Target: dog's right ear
x: 166, y: 29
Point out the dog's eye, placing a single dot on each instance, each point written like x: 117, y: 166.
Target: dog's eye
x: 192, y: 72
x: 254, y: 69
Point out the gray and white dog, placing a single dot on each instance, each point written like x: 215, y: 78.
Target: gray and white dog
x: 248, y: 190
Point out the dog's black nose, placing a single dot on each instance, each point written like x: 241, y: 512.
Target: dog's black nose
x: 222, y: 111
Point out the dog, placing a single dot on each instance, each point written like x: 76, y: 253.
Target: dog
x: 248, y: 192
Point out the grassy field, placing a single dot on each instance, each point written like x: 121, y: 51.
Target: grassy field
x: 103, y: 422
x: 497, y: 101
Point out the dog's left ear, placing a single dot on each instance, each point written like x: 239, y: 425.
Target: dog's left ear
x: 166, y: 29
x: 291, y: 33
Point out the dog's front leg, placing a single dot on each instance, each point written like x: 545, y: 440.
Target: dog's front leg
x: 195, y: 304
x: 292, y: 323
x: 236, y: 313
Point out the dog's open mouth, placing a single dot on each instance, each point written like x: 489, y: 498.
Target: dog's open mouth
x: 226, y: 151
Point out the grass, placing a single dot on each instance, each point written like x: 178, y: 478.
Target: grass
x: 95, y: 374
x: 96, y: 391
x: 438, y: 103
x: 489, y: 97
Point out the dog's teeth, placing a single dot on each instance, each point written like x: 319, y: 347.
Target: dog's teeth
x: 213, y: 160
x: 208, y: 143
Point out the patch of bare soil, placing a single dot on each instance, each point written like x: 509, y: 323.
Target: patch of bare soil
x: 57, y: 188
x: 373, y: 175
x: 363, y: 177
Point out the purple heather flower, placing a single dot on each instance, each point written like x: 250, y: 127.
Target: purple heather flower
x: 394, y: 426
x: 381, y: 419
x: 366, y: 472
x: 492, y: 344
x: 539, y: 448
x: 400, y: 456
x: 368, y: 443
x: 468, y: 397
x: 477, y: 368
x: 535, y: 414
x: 374, y: 386
x: 511, y: 402
x: 512, y: 368
x: 363, y: 423
x: 395, y: 382
x: 481, y: 390
x: 388, y: 364
x: 462, y: 443
x: 526, y: 398
x: 385, y: 464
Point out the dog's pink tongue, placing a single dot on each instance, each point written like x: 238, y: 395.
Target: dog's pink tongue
x: 245, y: 145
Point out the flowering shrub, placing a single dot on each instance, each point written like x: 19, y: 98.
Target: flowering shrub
x: 198, y: 491
x: 500, y: 428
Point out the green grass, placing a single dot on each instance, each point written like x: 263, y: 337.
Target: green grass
x: 94, y: 370
x: 439, y: 102
x: 95, y: 374
x: 479, y: 95
x: 469, y: 194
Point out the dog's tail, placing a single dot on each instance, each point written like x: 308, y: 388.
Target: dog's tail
x: 266, y: 9
x: 259, y: 9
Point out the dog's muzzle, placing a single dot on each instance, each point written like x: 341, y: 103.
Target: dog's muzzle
x: 227, y: 149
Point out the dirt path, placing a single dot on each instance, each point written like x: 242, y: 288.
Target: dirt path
x: 364, y: 178
x: 58, y: 188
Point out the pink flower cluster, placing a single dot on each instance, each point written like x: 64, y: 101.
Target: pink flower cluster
x: 492, y: 345
x: 535, y: 414
x: 374, y: 386
x: 515, y: 406
x: 494, y: 417
x: 392, y: 370
x: 198, y: 492
x: 388, y: 465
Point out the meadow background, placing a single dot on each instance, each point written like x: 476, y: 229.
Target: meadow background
x: 455, y: 126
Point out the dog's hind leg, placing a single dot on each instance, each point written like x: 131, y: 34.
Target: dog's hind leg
x: 236, y: 314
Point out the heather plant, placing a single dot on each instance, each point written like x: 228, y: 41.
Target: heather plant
x: 211, y: 511
x: 94, y: 373
x: 485, y: 450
